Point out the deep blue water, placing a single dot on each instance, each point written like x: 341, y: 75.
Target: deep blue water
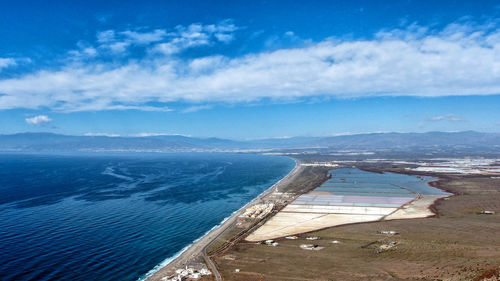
x: 114, y: 217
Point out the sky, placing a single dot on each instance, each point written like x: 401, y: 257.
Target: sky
x: 249, y: 69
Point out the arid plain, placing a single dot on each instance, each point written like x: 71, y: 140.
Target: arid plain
x: 458, y: 243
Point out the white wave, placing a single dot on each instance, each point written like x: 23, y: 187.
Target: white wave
x: 168, y: 260
x: 162, y: 264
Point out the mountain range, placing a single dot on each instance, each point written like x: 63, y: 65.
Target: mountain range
x: 49, y: 142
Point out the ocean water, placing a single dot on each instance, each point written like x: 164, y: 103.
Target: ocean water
x: 116, y: 216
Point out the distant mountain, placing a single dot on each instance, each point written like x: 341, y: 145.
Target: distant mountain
x: 174, y: 143
x: 413, y: 140
x: 389, y: 141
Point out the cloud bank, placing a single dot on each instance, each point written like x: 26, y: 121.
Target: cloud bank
x: 461, y: 59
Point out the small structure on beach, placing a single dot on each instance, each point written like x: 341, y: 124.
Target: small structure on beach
x: 387, y: 232
x: 271, y: 242
x: 311, y: 247
x: 312, y: 238
x: 386, y: 247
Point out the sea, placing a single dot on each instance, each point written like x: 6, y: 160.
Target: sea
x: 95, y: 216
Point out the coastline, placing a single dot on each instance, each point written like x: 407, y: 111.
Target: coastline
x: 196, y: 251
x: 197, y: 248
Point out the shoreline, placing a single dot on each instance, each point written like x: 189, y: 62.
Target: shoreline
x: 196, y: 249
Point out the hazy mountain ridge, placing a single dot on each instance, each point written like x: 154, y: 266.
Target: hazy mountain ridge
x: 56, y: 142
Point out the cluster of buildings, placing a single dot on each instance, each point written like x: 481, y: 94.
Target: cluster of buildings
x: 322, y: 164
x: 258, y: 211
x: 461, y: 166
x: 187, y: 273
x: 477, y: 166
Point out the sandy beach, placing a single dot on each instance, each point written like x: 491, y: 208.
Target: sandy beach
x: 197, y: 249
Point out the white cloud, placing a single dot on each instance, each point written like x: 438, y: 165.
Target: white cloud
x: 118, y: 43
x: 206, y: 64
x: 83, y: 52
x: 196, y: 108
x: 38, y: 120
x: 117, y: 47
x: 458, y: 60
x: 158, y: 41
x: 437, y: 118
x: 138, y: 107
x: 166, y: 48
x: 6, y: 62
x: 106, y: 36
x: 145, y: 37
x: 196, y: 35
x: 223, y: 37
x: 447, y: 117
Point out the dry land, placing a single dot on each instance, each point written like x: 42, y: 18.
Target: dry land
x: 459, y: 243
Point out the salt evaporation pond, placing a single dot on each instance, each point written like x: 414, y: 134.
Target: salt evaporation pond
x: 353, y: 196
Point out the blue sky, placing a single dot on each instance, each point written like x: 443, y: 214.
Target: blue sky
x: 249, y: 69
